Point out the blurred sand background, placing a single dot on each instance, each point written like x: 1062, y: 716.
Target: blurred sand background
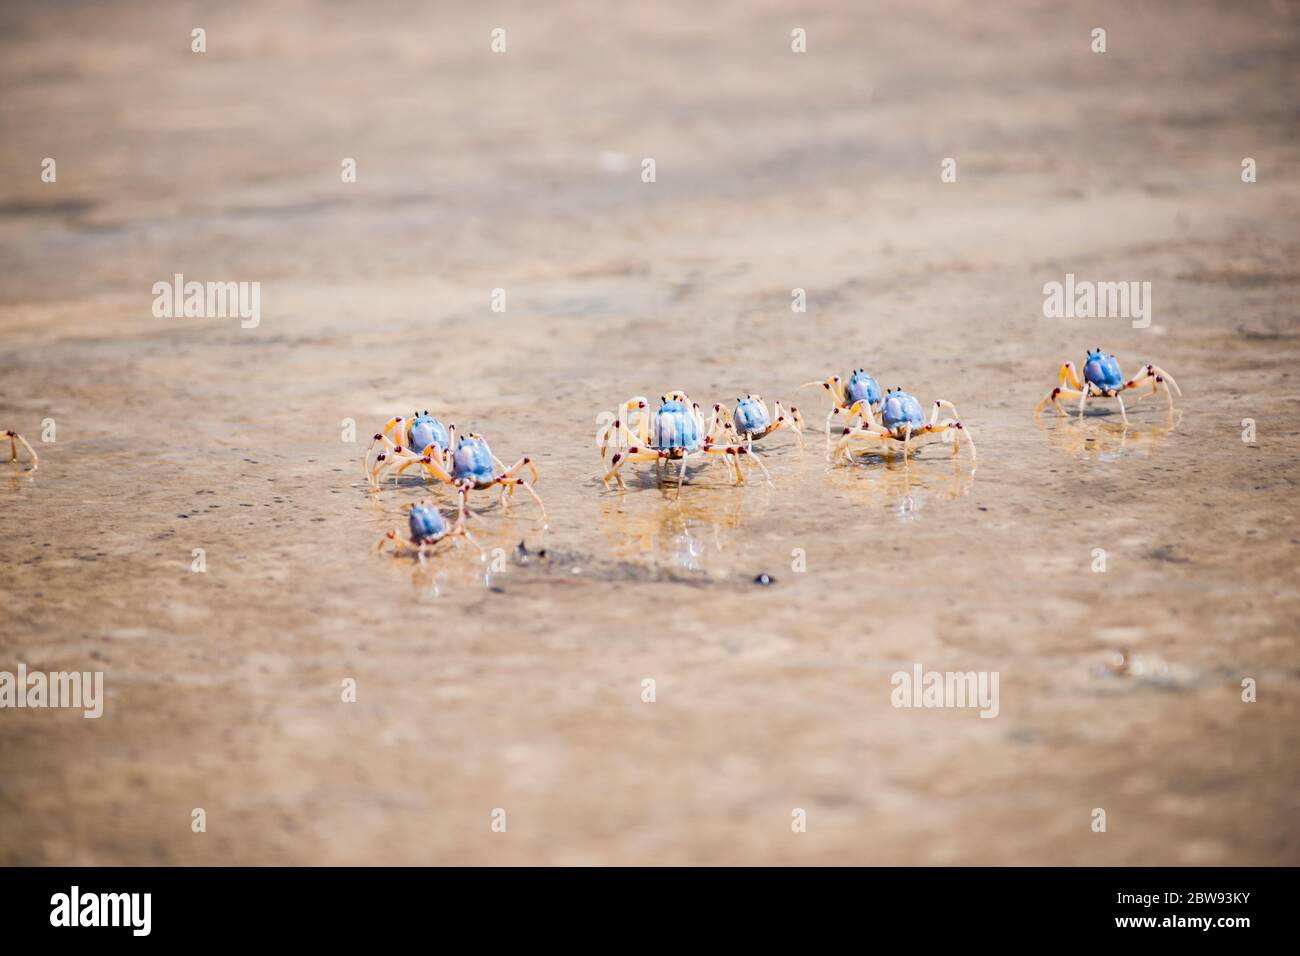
x: 522, y: 690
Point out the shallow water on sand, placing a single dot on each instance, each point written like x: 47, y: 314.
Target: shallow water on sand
x: 521, y: 686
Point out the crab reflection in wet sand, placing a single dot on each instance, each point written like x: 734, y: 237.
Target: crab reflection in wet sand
x: 903, y: 487
x: 679, y: 534
x: 1108, y: 440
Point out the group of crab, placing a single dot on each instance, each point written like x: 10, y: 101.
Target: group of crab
x: 465, y: 462
x: 874, y: 421
x: 901, y: 425
x: 676, y: 432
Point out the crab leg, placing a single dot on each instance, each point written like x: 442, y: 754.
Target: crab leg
x: 955, y: 422
x: 758, y: 461
x: 385, y: 460
x: 433, y: 469
x: 1084, y: 396
x: 1162, y: 374
x: 1055, y: 399
x: 619, y: 428
x: 843, y: 448
x: 794, y: 423
x: 14, y: 440
x: 859, y: 409
x: 508, y: 485
x: 1160, y: 377
x: 1068, y: 374
x: 721, y: 419
x: 510, y: 473
x: 954, y: 428
x: 1122, y: 413
x: 635, y: 453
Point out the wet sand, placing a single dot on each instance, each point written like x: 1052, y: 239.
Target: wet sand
x: 522, y: 689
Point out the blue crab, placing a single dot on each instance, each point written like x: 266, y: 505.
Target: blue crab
x: 851, y: 398
x: 427, y: 527
x: 467, y: 464
x: 406, y: 440
x: 902, y: 422
x: 751, y: 420
x: 1103, y: 379
x: 675, y: 432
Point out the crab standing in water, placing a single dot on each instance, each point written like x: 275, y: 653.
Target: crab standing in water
x: 752, y: 421
x: 902, y: 422
x: 861, y: 392
x: 676, y: 432
x: 1103, y: 379
x: 427, y: 527
x: 15, y: 440
x: 467, y: 464
x: 406, y: 440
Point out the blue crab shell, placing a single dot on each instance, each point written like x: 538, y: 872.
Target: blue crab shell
x: 675, y: 428
x: 861, y: 387
x: 472, y: 461
x: 900, y: 410
x: 425, y: 430
x: 751, y: 417
x: 1102, y: 370
x: 427, y: 523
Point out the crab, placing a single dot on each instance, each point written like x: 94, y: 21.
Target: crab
x: 901, y: 421
x: 624, y: 432
x: 427, y: 527
x: 860, y: 393
x: 467, y: 465
x: 752, y: 421
x: 1103, y: 379
x: 15, y: 440
x: 676, y: 433
x: 421, y: 431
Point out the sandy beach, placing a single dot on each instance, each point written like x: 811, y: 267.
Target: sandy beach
x: 521, y: 688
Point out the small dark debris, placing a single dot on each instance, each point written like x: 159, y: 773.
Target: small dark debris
x: 1166, y: 553
x: 765, y: 579
x: 522, y: 553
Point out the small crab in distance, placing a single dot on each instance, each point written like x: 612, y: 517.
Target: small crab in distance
x: 1103, y: 379
x: 15, y: 440
x: 467, y: 465
x: 676, y: 433
x: 420, y: 431
x: 861, y: 392
x: 901, y: 421
x: 427, y: 527
x: 752, y: 421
